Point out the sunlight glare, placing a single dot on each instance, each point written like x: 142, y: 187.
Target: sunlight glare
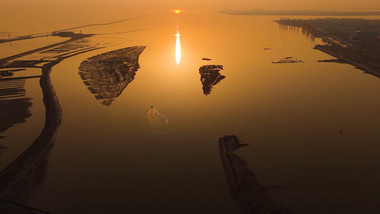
x: 177, y: 49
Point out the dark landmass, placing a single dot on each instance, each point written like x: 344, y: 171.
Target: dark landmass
x: 22, y: 177
x: 354, y: 41
x: 33, y: 36
x: 300, y: 13
x: 10, y: 72
x: 14, y: 105
x: 98, y: 24
x: 206, y: 59
x: 15, y: 109
x: 67, y: 32
x: 288, y: 59
x: 60, y: 47
x: 333, y: 60
x: 22, y: 38
x: 210, y: 76
x: 249, y: 194
x: 7, y: 73
x: 46, y: 56
x: 108, y: 74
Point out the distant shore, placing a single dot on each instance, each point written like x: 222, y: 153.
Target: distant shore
x: 353, y: 41
x: 301, y: 12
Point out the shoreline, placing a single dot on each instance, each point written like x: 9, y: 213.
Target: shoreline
x: 343, y: 40
x: 259, y: 12
x: 358, y: 65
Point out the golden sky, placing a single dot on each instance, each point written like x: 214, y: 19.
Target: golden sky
x: 194, y: 4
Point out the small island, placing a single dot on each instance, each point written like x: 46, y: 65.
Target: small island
x: 210, y: 76
x: 106, y: 75
x: 288, y: 59
x: 353, y: 41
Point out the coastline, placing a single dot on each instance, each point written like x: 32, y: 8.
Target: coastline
x: 358, y: 65
x: 352, y: 41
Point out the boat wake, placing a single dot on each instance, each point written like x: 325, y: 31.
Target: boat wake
x: 158, y: 122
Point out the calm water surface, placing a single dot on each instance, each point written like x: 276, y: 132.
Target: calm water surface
x: 110, y: 159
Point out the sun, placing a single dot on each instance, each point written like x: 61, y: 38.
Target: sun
x: 177, y: 11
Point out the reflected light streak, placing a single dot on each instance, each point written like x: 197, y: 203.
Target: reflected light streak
x: 178, y: 49
x: 177, y: 41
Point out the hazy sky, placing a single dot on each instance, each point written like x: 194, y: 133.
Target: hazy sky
x: 193, y: 4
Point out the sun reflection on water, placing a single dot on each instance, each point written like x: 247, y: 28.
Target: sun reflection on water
x: 177, y: 49
x: 178, y: 40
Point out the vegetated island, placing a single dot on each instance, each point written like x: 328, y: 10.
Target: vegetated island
x: 106, y: 75
x: 353, y: 41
